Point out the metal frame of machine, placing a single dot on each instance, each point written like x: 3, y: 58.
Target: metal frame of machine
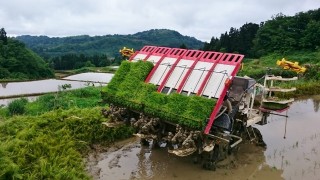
x: 204, y: 73
x: 210, y: 75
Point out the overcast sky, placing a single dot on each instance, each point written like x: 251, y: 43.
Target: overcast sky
x: 201, y: 19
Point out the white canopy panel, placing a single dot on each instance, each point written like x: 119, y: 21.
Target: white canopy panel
x: 197, y: 76
x: 162, y: 70
x: 154, y: 59
x: 178, y: 73
x: 215, y: 84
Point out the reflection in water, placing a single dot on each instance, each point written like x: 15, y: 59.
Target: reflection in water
x: 144, y: 165
x: 4, y: 85
x: 298, y: 154
x: 316, y: 103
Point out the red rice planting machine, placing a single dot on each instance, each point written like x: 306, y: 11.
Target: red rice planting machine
x: 211, y: 75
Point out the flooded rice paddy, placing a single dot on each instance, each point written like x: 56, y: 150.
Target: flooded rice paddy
x: 296, y: 149
x: 91, y: 77
x: 12, y: 90
x: 293, y: 152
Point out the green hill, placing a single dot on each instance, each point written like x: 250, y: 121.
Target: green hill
x: 19, y: 62
x: 281, y: 34
x: 108, y: 44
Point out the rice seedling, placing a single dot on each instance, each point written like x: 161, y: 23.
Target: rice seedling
x: 52, y: 145
x: 127, y: 88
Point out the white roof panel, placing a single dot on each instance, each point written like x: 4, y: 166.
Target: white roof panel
x: 139, y: 57
x: 217, y: 79
x: 162, y: 70
x: 178, y: 73
x: 197, y: 76
x: 154, y: 59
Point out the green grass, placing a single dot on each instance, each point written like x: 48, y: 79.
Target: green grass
x: 17, y: 106
x: 79, y: 98
x: 49, y: 137
x: 256, y: 68
x: 304, y: 88
x: 52, y: 145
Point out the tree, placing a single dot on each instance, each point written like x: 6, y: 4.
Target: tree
x: 214, y: 45
x: 3, y: 36
x: 183, y: 46
x: 18, y: 62
x: 311, y: 39
x: 283, y: 34
x: 88, y: 64
x: 246, y: 36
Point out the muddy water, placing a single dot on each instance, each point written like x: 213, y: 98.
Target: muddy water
x: 31, y: 88
x: 295, y: 157
x: 295, y: 148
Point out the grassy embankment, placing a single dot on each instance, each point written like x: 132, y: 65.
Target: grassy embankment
x: 48, y: 138
x: 307, y: 84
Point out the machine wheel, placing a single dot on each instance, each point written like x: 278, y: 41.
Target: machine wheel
x: 259, y: 140
x: 211, y: 159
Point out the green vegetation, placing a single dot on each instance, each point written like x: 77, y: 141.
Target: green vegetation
x: 308, y: 83
x: 79, y: 98
x: 127, y: 88
x: 18, y: 62
x: 282, y: 34
x: 304, y: 88
x: 3, y: 36
x: 108, y: 45
x: 17, y: 106
x: 54, y: 134
x: 256, y: 68
x: 74, y: 61
x: 52, y: 145
x: 48, y: 138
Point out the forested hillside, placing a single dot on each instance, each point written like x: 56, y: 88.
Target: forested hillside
x: 108, y: 45
x: 18, y: 62
x: 281, y: 34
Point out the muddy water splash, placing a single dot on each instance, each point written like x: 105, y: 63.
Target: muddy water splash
x: 295, y: 157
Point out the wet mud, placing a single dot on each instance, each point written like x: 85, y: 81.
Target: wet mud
x: 296, y: 156
x: 130, y: 160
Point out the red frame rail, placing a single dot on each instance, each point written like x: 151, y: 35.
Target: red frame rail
x: 196, y: 56
x: 230, y: 59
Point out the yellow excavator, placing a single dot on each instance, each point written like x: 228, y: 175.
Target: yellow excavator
x: 126, y: 52
x: 288, y: 65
